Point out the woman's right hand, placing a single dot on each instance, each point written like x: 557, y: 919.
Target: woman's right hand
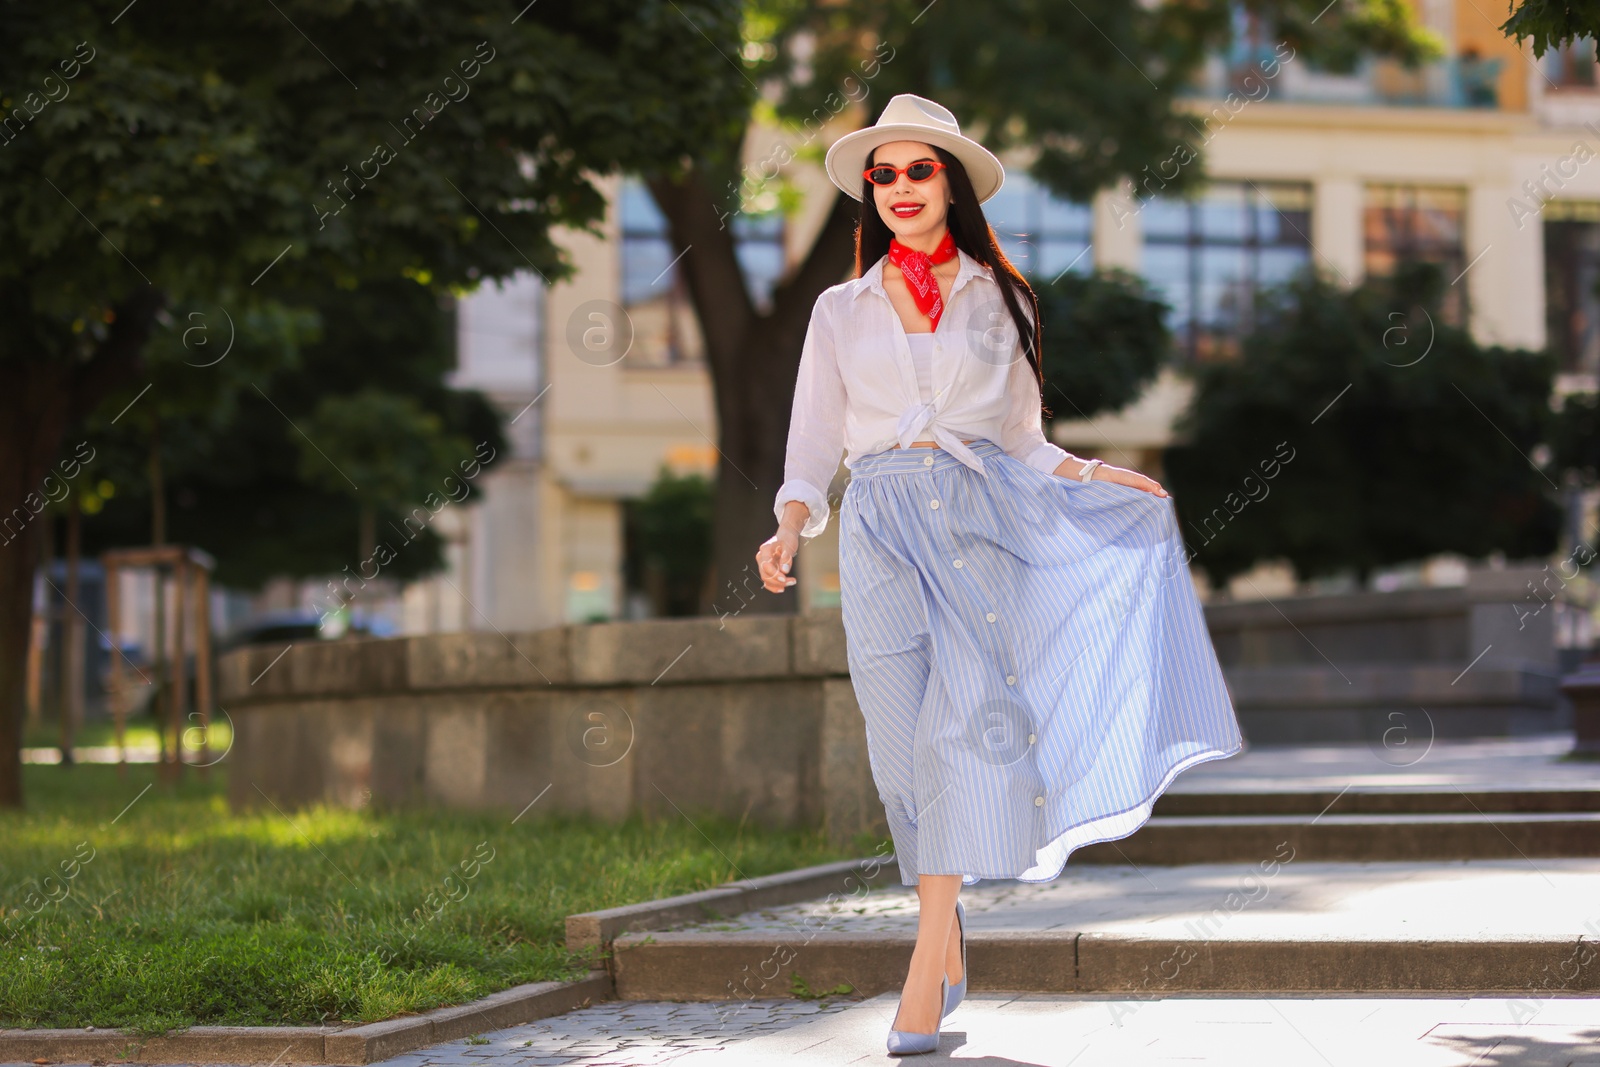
x: 775, y: 557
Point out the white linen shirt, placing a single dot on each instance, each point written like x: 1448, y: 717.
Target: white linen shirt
x: 857, y: 387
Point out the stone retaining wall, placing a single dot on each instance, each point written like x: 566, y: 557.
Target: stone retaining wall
x: 756, y: 717
x: 1461, y: 661
x: 751, y: 717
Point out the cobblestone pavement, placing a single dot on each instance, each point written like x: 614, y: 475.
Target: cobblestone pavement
x: 1009, y: 1030
x: 627, y: 1032
x: 996, y: 1030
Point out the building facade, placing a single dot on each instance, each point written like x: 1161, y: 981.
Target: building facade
x: 1485, y: 162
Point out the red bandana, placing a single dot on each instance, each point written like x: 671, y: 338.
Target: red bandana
x: 918, y: 269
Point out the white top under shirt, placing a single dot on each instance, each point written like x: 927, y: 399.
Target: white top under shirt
x: 858, y: 389
x: 922, y: 362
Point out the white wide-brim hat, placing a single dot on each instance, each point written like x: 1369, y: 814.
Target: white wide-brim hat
x: 908, y: 117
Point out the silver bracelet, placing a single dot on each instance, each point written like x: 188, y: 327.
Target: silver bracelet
x: 1088, y: 469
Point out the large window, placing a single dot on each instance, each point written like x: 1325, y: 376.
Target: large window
x: 1211, y: 254
x: 653, y: 290
x: 1041, y: 234
x: 1571, y: 66
x: 1419, y: 222
x: 1571, y: 276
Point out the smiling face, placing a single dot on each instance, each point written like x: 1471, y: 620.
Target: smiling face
x: 922, y: 206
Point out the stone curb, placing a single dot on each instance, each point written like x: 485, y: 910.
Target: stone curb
x: 847, y: 877
x: 352, y: 1045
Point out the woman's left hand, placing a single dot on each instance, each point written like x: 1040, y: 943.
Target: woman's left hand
x: 1122, y: 476
x: 1107, y: 473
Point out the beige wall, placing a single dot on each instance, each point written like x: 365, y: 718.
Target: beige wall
x: 610, y: 426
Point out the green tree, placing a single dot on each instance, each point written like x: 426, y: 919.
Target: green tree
x: 1576, y: 438
x: 1090, y: 86
x: 198, y: 368
x: 1552, y: 23
x: 1107, y: 339
x: 1575, y: 452
x: 173, y: 155
x: 234, y: 479
x: 1358, y: 430
x: 384, y: 449
x: 672, y: 527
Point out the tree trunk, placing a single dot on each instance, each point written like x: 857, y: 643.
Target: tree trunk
x: 163, y: 707
x: 367, y: 533
x: 753, y: 362
x: 158, y: 487
x: 34, y: 415
x: 40, y: 397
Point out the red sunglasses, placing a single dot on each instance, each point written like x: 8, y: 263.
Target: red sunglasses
x: 920, y: 171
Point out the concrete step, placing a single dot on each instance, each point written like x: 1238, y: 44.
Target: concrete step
x: 1284, y: 923
x: 1382, y: 801
x: 735, y: 965
x: 1174, y: 839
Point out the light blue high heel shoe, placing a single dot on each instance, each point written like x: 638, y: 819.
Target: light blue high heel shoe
x: 958, y: 992
x: 913, y: 1042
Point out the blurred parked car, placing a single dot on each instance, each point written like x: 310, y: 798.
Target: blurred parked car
x: 285, y: 627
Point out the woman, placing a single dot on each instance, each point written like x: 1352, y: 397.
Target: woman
x: 1023, y: 638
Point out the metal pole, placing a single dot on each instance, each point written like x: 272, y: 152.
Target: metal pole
x: 180, y: 669
x: 202, y: 664
x: 114, y: 684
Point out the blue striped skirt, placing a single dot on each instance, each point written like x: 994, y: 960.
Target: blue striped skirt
x: 1029, y: 654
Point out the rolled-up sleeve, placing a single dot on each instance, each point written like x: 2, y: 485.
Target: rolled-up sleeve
x: 816, y: 426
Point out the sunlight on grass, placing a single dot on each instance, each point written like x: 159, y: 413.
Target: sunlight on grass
x: 177, y: 912
x: 139, y: 732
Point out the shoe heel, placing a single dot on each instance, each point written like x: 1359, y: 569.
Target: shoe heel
x: 913, y: 1042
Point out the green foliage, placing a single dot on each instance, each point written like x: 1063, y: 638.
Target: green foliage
x: 1087, y: 84
x: 801, y: 989
x: 1553, y: 23
x: 1337, y: 38
x: 246, y: 162
x: 1357, y: 430
x: 1104, y: 341
x: 244, y: 481
x: 381, y: 447
x: 202, y: 142
x: 672, y: 526
x: 182, y: 913
x: 1576, y: 437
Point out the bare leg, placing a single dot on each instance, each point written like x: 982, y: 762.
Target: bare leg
x: 920, y: 1007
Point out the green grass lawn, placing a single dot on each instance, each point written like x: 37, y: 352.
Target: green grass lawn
x: 156, y: 909
x: 139, y: 732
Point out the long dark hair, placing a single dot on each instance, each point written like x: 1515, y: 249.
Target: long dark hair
x: 974, y: 236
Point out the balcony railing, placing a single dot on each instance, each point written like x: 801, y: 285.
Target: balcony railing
x: 1260, y: 74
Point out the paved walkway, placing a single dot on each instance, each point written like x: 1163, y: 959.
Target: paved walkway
x: 995, y: 1030
x: 1500, y: 899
